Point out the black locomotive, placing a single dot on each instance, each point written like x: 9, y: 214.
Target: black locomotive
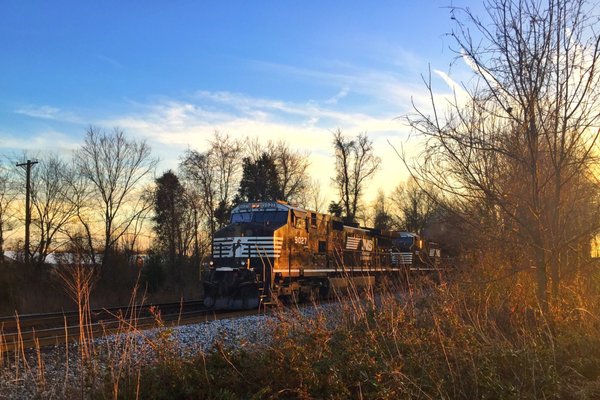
x: 272, y: 250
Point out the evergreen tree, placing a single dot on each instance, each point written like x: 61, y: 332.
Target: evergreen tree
x: 170, y: 208
x: 335, y: 209
x: 259, y: 180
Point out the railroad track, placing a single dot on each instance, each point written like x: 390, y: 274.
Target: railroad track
x: 9, y: 323
x: 42, y: 330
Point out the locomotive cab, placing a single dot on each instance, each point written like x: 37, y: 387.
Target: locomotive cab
x: 243, y: 255
x: 411, y: 250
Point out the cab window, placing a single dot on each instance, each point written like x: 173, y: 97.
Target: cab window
x: 261, y: 217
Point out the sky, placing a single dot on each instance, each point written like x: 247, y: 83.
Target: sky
x: 174, y: 72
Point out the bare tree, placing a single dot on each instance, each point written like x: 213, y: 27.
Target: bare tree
x: 523, y: 139
x: 382, y: 218
x: 82, y: 236
x: 355, y: 164
x: 292, y: 171
x: 52, y: 210
x: 291, y: 165
x: 312, y: 198
x: 413, y: 206
x: 8, y: 211
x: 130, y: 240
x: 226, y: 154
x: 212, y: 178
x: 198, y: 171
x: 116, y: 167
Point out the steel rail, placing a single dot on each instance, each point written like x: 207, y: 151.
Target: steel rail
x: 32, y: 330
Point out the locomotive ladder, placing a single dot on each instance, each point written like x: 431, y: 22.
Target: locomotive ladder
x: 264, y: 299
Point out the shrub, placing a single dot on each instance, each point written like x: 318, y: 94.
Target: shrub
x: 153, y: 272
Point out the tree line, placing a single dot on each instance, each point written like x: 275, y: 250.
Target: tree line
x: 514, y: 154
x: 508, y: 170
x: 90, y: 204
x: 106, y: 197
x: 209, y: 184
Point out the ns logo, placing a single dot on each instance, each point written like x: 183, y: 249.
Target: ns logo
x: 367, y: 245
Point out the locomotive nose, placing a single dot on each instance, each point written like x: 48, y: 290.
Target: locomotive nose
x: 244, y: 231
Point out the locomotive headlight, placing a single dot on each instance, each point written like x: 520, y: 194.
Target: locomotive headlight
x: 211, y: 263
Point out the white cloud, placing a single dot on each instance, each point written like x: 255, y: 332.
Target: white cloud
x: 456, y: 87
x: 173, y: 126
x: 47, y: 112
x: 47, y: 140
x: 340, y: 95
x: 387, y: 89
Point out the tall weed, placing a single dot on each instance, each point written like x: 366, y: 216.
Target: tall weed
x: 458, y: 339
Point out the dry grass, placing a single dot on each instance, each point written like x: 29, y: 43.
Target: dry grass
x: 28, y: 289
x: 443, y: 340
x: 451, y: 339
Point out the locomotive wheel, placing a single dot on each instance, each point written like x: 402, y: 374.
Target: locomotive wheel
x: 251, y: 302
x: 209, y: 302
x: 311, y: 295
x: 222, y: 303
x: 293, y: 298
x: 246, y: 298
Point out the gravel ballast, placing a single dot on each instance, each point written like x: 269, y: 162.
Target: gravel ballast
x: 55, y: 372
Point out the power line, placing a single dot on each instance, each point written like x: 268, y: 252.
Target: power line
x: 27, y: 166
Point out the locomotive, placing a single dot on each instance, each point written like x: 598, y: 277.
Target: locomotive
x: 274, y: 251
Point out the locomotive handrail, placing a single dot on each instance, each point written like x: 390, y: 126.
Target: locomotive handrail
x: 264, y: 274
x: 339, y: 261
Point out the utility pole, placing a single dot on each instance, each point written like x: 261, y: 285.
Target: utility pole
x: 27, y: 166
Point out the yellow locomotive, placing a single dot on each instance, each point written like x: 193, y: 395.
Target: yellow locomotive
x: 272, y: 250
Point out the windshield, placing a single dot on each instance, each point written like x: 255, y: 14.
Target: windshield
x: 241, y: 217
x: 261, y: 217
x: 404, y: 243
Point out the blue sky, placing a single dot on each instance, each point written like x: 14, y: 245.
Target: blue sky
x: 173, y: 72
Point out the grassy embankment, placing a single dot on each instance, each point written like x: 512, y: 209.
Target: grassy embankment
x: 455, y: 339
x: 450, y: 340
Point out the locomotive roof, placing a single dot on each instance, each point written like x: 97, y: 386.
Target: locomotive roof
x: 267, y: 206
x: 283, y: 206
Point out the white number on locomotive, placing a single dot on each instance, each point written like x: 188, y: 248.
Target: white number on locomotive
x: 300, y: 240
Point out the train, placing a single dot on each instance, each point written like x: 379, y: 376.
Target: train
x: 272, y: 251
